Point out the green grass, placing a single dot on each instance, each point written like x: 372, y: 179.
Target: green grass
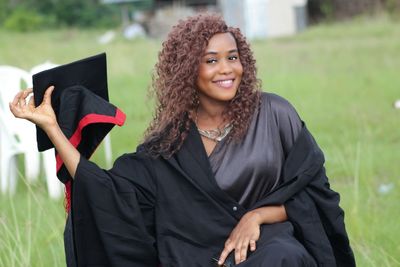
x: 342, y: 78
x: 31, y: 227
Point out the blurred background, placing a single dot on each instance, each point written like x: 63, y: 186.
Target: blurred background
x: 336, y: 61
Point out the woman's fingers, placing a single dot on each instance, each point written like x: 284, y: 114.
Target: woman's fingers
x: 242, y: 238
x: 16, y: 98
x: 22, y: 98
x: 252, y: 245
x: 27, y: 92
x: 18, y: 105
x: 42, y: 115
x: 227, y: 249
x: 47, y: 95
x: 31, y: 103
x: 14, y: 109
x: 241, y: 251
x: 14, y: 105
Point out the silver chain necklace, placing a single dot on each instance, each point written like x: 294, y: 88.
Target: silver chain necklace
x: 215, y: 134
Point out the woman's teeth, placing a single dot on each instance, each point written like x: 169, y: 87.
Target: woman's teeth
x: 225, y: 83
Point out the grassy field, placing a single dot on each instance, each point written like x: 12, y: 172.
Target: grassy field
x: 342, y: 78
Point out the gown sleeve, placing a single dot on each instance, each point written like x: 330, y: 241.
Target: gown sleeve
x: 113, y: 213
x: 311, y: 205
x: 323, y: 212
x: 287, y: 120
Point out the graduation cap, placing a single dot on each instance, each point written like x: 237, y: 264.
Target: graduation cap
x: 80, y: 102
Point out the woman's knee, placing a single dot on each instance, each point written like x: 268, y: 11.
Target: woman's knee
x: 287, y: 254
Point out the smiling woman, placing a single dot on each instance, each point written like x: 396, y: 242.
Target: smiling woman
x: 226, y: 174
x: 199, y: 57
x: 219, y: 77
x: 220, y: 70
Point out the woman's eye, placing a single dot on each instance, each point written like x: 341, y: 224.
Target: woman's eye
x: 233, y: 57
x: 211, y: 60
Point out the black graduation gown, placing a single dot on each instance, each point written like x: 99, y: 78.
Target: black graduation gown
x: 170, y: 212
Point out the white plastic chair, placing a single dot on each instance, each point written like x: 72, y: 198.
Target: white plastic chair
x: 17, y: 136
x: 9, y: 149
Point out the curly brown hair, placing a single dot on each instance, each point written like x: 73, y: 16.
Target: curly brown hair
x: 174, y: 84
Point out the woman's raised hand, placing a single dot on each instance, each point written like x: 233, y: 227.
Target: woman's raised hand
x: 42, y: 115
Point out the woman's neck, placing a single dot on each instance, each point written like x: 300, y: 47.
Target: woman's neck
x: 210, y: 116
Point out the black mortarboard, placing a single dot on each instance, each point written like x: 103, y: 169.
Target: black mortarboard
x: 90, y: 73
x: 80, y: 102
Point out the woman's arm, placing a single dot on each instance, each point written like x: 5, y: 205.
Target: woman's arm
x: 269, y: 214
x: 44, y: 116
x: 247, y: 231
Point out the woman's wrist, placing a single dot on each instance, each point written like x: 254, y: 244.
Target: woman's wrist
x: 269, y: 214
x: 52, y: 130
x: 46, y: 124
x: 256, y: 216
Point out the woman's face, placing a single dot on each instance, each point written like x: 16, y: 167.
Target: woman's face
x: 220, y: 70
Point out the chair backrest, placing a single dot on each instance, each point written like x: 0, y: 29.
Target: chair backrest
x: 41, y: 67
x: 15, y: 135
x: 12, y: 80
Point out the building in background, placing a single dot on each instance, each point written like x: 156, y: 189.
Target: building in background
x: 265, y: 18
x: 258, y: 19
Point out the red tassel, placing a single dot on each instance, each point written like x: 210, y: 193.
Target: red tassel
x: 67, y: 200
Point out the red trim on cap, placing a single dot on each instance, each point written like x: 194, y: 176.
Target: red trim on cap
x: 75, y: 139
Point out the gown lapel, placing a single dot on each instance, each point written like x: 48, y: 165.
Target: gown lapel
x: 192, y: 161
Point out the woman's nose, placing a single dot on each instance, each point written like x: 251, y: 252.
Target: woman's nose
x: 225, y: 67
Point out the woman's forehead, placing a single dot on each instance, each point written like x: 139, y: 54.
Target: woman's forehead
x: 221, y: 42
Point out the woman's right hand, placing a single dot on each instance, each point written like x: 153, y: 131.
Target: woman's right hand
x: 42, y: 115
